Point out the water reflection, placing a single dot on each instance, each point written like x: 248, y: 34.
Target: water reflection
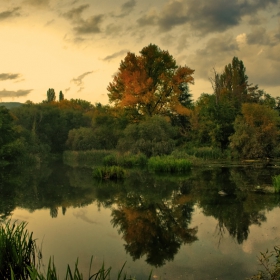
x: 152, y: 213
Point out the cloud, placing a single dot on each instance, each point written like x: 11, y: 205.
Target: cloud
x: 10, y: 13
x: 127, y: 8
x: 114, y: 55
x: 148, y: 19
x: 9, y: 76
x: 217, y: 52
x: 75, y: 14
x: 38, y: 3
x: 204, y: 17
x: 89, y: 26
x: 79, y: 80
x: 259, y: 36
x: 18, y: 93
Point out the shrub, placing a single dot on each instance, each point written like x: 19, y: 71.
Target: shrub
x: 168, y: 164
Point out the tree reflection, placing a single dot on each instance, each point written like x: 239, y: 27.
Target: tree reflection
x: 156, y: 228
x: 239, y: 209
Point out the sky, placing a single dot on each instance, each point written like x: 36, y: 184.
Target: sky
x: 76, y: 46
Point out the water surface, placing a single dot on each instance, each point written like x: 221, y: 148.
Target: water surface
x: 177, y: 226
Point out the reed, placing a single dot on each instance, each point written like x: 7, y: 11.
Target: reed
x: 17, y: 250
x: 109, y: 172
x: 276, y: 183
x: 168, y: 164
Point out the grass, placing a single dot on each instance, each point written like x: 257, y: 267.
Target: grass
x: 125, y: 160
x: 276, y: 183
x: 168, y: 164
x: 109, y: 172
x: 19, y: 258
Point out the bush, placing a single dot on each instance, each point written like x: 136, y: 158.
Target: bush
x: 168, y: 164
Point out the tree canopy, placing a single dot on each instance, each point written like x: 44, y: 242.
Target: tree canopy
x: 151, y: 83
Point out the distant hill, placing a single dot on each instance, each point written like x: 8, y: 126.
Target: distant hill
x: 10, y: 105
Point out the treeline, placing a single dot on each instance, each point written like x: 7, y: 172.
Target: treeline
x: 151, y: 111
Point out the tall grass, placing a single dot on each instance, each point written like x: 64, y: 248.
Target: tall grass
x: 85, y: 158
x: 17, y: 250
x: 109, y: 172
x: 168, y: 164
x: 126, y: 160
x: 276, y: 183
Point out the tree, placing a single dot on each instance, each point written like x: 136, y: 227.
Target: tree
x: 151, y: 83
x: 10, y: 146
x: 153, y: 136
x: 61, y: 96
x: 256, y: 131
x: 50, y: 95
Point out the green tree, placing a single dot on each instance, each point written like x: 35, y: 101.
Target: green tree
x: 51, y: 95
x: 10, y: 145
x: 61, y: 96
x: 256, y: 131
x: 151, y: 83
x: 153, y: 136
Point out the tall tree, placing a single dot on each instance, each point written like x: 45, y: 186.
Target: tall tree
x: 151, y: 83
x: 50, y: 95
x: 61, y: 96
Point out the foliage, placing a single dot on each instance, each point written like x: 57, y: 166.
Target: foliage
x: 276, y: 183
x: 48, y: 123
x: 125, y: 160
x: 153, y: 136
x: 256, y: 132
x: 270, y: 262
x: 109, y: 172
x: 17, y: 250
x: 168, y: 164
x: 151, y: 83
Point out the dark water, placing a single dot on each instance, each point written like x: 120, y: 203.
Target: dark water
x: 179, y: 227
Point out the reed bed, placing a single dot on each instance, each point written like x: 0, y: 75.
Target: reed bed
x: 276, y: 183
x: 168, y: 164
x: 127, y: 160
x: 109, y: 172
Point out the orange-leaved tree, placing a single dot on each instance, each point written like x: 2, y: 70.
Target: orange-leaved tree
x: 151, y: 83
